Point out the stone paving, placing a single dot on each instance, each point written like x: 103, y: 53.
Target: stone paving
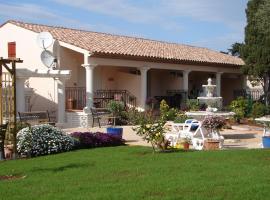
x: 239, y: 137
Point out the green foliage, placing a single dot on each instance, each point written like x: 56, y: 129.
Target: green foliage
x: 240, y: 107
x: 258, y: 110
x: 132, y: 172
x: 152, y: 131
x: 256, y: 50
x: 236, y: 49
x: 180, y: 118
x: 164, y: 107
x: 134, y: 116
x: 117, y: 108
x: 167, y: 113
x: 193, y: 104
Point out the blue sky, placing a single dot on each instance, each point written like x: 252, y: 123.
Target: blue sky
x: 215, y: 24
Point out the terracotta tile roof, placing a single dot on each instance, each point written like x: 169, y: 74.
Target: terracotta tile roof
x: 103, y: 43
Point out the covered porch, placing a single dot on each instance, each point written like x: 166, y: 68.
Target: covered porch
x: 95, y: 81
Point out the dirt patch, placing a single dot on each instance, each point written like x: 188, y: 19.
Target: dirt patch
x: 11, y: 177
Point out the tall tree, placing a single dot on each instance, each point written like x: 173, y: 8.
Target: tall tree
x: 256, y: 50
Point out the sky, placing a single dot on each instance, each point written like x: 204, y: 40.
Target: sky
x: 215, y: 24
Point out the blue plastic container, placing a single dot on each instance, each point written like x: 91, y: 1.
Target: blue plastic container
x: 193, y: 126
x: 266, y: 141
x: 118, y: 132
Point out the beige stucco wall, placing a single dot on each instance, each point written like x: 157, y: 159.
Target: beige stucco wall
x: 229, y: 83
x: 29, y: 52
x: 117, y: 78
x: 163, y: 80
x: 72, y: 60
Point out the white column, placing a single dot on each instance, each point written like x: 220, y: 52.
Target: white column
x: 89, y: 86
x: 185, y: 80
x: 218, y: 83
x: 61, y: 103
x: 143, y: 87
x: 20, y: 94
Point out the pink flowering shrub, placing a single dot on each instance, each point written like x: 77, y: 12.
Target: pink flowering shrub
x: 213, y: 122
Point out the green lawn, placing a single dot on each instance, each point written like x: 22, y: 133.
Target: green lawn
x: 135, y: 173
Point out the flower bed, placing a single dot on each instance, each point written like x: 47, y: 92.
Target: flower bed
x: 42, y: 140
x: 98, y: 139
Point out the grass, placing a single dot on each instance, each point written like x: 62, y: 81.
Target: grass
x: 135, y: 173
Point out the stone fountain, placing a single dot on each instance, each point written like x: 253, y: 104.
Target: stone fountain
x: 213, y: 104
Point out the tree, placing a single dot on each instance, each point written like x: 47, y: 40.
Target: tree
x: 256, y: 49
x: 236, y: 49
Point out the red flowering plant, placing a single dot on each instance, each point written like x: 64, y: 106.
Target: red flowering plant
x: 213, y: 123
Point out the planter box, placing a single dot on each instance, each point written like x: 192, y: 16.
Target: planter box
x: 211, y: 145
x: 266, y: 141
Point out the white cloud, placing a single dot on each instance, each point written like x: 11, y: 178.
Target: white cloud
x: 40, y: 14
x: 151, y: 11
x: 25, y: 11
x: 218, y: 43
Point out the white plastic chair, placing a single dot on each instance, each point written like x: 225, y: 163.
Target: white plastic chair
x: 181, y: 130
x: 201, y: 134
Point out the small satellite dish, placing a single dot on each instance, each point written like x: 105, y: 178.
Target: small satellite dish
x: 47, y: 58
x: 44, y: 40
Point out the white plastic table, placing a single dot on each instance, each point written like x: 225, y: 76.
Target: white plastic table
x: 266, y: 123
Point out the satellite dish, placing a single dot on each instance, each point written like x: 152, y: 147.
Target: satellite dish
x: 47, y: 58
x: 44, y: 40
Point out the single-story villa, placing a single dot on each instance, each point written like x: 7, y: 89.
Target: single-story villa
x: 93, y: 68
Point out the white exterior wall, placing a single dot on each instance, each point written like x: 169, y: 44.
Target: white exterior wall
x: 28, y: 50
x: 72, y: 60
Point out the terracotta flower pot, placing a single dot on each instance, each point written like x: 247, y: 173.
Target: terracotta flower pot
x: 211, y: 145
x: 186, y: 146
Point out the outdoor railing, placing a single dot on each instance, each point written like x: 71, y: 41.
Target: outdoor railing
x: 103, y: 97
x: 76, y: 98
x: 254, y: 94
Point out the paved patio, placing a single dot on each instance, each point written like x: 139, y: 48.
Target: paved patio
x: 239, y: 137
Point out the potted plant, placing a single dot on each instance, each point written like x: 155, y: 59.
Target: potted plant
x: 183, y: 143
x: 213, y: 124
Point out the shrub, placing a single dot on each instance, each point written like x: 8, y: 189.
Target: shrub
x: 193, y: 104
x: 258, y: 110
x: 213, y: 123
x: 152, y: 131
x: 180, y: 118
x: 42, y: 140
x: 240, y: 108
x: 167, y: 113
x: 91, y: 140
x: 117, y: 108
x: 134, y: 116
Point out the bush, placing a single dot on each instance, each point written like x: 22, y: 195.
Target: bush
x: 258, y: 110
x: 153, y: 131
x: 180, y: 118
x: 42, y: 140
x: 134, y: 116
x: 167, y: 113
x: 91, y: 140
x: 117, y: 108
x: 240, y: 107
x: 213, y: 123
x: 193, y: 105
